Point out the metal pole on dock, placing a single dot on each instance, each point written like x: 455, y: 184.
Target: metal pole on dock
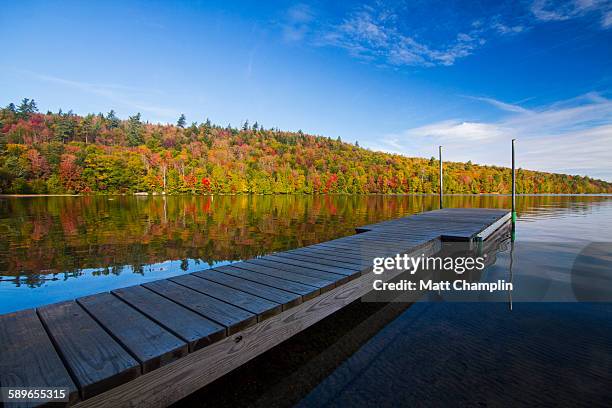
x: 511, y: 262
x: 441, y: 176
x: 513, y: 191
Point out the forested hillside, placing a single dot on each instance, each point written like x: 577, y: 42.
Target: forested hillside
x: 99, y: 153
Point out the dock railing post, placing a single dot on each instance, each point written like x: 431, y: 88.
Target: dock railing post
x: 441, y: 177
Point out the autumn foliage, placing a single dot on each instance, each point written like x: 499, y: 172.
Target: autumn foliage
x: 66, y: 153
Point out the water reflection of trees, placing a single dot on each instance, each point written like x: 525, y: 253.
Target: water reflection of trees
x: 57, y: 237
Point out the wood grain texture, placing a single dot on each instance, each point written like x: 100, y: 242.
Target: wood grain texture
x: 230, y: 316
x: 95, y: 360
x: 282, y: 297
x: 310, y: 265
x: 323, y: 284
x: 193, y: 328
x: 363, y: 248
x: 314, y: 258
x: 306, y: 291
x: 151, y: 344
x: 359, y: 259
x: 263, y: 308
x: 299, y: 270
x: 351, y: 250
x: 28, y: 358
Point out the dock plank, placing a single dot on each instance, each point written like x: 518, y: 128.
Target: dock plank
x: 323, y: 260
x: 364, y: 246
x: 352, y: 260
x: 27, y: 356
x: 282, y: 297
x: 310, y: 265
x: 95, y: 360
x: 263, y: 308
x: 360, y: 260
x: 315, y: 273
x: 351, y: 249
x: 353, y: 255
x: 322, y: 283
x: 193, y: 328
x: 151, y: 344
x: 306, y: 291
x: 230, y: 316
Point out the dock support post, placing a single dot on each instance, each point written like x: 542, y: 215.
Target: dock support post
x: 441, y: 177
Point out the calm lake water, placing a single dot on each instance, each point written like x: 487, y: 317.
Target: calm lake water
x: 58, y: 248
x: 553, y: 349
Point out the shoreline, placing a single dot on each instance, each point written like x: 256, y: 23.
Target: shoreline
x: 310, y: 194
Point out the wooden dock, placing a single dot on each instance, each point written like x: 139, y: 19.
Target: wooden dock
x: 153, y: 344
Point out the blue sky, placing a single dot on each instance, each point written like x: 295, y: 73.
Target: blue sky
x: 397, y: 76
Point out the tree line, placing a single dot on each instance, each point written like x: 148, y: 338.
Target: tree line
x: 58, y: 153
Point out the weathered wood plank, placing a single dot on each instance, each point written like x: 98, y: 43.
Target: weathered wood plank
x: 323, y: 284
x: 373, y: 241
x: 405, y: 235
x: 232, y: 317
x: 315, y: 273
x: 193, y: 328
x: 351, y: 249
x: 263, y: 308
x: 321, y: 259
x: 28, y: 358
x: 364, y: 246
x: 151, y: 344
x: 360, y: 260
x: 95, y: 360
x: 286, y: 299
x: 306, y: 291
x: 305, y: 264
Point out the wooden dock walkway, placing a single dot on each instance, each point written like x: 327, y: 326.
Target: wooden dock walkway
x: 153, y: 344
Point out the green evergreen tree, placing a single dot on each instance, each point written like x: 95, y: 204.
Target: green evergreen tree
x: 64, y: 128
x: 113, y: 121
x: 182, y: 121
x: 26, y: 108
x: 134, y: 131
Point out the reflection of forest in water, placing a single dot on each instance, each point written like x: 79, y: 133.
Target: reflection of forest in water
x: 47, y: 237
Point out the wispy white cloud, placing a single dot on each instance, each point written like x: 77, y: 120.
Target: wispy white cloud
x: 508, y: 107
x: 382, y: 36
x: 571, y: 136
x: 129, y: 97
x: 505, y: 29
x: 606, y: 20
x: 373, y: 34
x: 547, y: 10
x: 296, y: 22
